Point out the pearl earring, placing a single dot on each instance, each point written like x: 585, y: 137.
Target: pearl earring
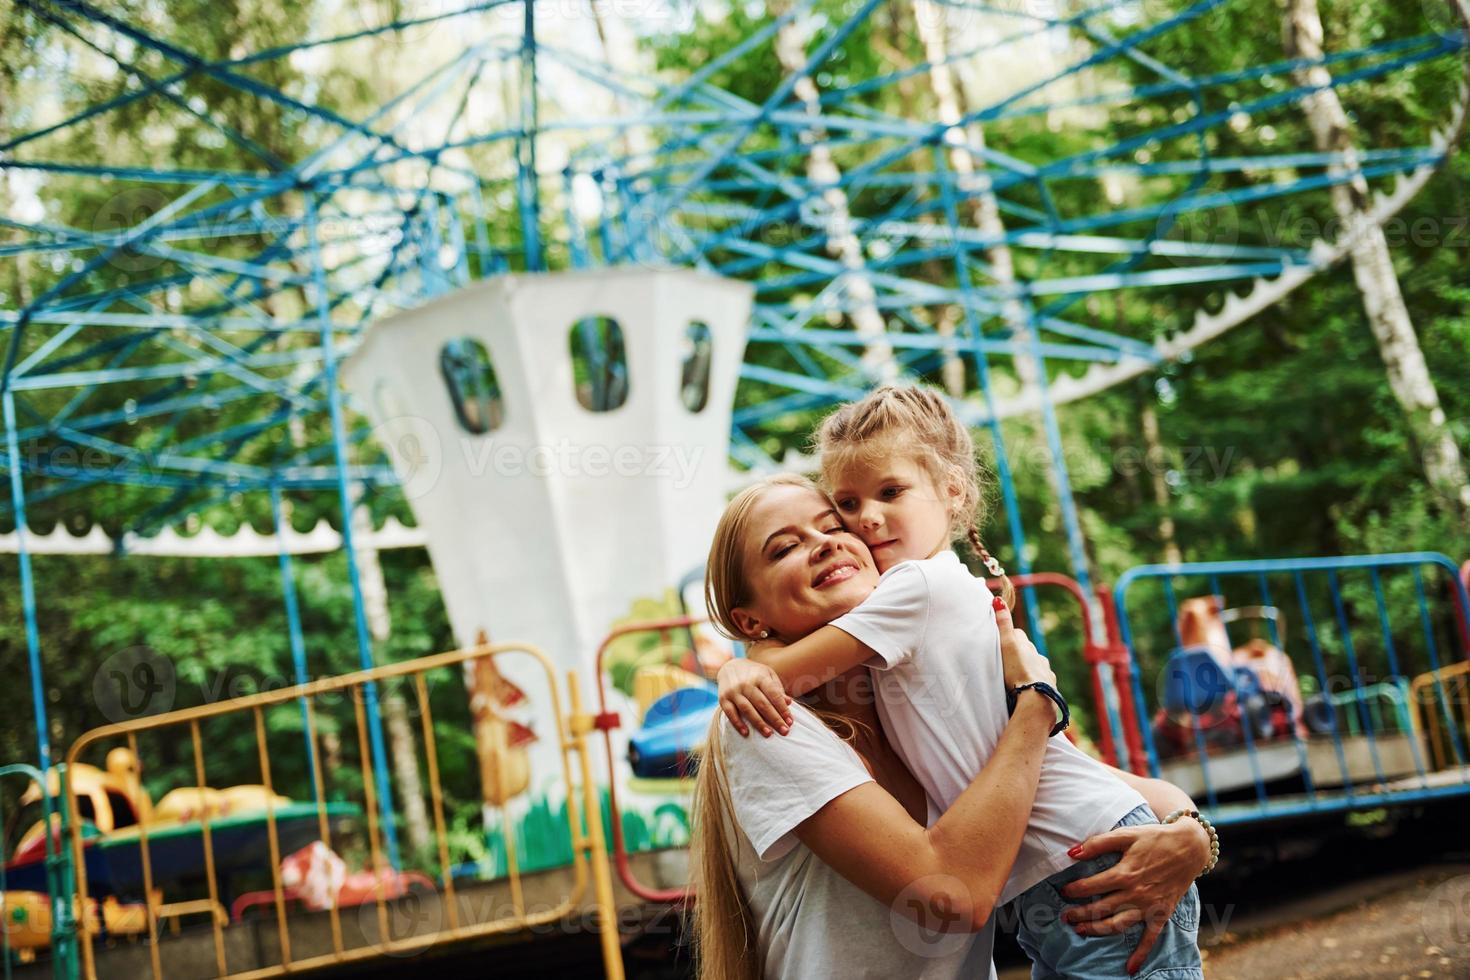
x: 762, y: 634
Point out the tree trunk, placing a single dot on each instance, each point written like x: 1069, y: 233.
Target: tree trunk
x: 1154, y: 462
x: 402, y: 746
x: 976, y: 187
x: 842, y: 241
x: 1383, y: 300
x: 974, y: 184
x: 620, y: 51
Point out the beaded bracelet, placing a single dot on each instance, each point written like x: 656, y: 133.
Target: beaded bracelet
x: 1209, y: 829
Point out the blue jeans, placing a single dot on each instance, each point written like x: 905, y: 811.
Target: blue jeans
x: 1056, y: 950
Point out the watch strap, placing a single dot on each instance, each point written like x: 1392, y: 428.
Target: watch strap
x: 1055, y: 696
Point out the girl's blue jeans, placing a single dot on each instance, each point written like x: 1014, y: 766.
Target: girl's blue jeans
x: 1056, y: 950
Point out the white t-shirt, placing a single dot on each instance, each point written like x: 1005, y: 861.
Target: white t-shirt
x: 941, y: 696
x: 811, y: 921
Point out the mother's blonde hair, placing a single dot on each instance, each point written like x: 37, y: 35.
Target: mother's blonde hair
x: 726, y: 946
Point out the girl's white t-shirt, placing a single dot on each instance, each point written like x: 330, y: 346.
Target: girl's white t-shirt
x: 811, y: 921
x: 941, y: 697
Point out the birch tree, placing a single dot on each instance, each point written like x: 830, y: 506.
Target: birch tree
x: 1383, y: 300
x: 842, y: 242
x: 402, y: 747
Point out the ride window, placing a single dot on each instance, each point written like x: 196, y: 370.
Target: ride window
x: 122, y: 810
x: 697, y: 348
x: 599, y: 363
x: 473, y: 387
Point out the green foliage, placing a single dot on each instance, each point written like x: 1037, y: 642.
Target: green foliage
x: 626, y: 654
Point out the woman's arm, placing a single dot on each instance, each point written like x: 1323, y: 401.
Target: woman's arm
x: 949, y: 876
x: 1157, y: 864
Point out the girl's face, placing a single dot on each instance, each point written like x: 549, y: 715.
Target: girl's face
x: 802, y: 566
x: 895, y: 507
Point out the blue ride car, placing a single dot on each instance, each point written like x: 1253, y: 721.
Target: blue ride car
x: 673, y: 730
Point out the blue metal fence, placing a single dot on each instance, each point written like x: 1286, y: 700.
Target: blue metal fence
x: 1360, y: 703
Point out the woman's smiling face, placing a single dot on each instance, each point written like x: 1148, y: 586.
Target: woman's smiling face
x: 802, y: 567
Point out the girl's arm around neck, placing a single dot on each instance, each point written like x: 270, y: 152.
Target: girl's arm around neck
x: 820, y: 656
x: 950, y: 876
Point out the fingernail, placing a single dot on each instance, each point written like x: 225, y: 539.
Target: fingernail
x: 998, y: 604
x: 784, y: 730
x: 766, y: 732
x: 1074, y: 851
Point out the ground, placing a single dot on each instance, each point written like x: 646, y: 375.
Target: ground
x: 1395, y: 927
x: 1387, y: 900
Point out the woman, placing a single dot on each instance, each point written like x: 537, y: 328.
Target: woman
x: 813, y: 854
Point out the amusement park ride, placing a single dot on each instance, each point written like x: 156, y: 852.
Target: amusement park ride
x: 561, y: 332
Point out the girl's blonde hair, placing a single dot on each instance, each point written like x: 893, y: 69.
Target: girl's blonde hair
x: 918, y: 422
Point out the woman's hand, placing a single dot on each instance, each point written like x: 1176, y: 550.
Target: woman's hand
x: 1018, y: 656
x: 1158, y: 864
x: 752, y: 691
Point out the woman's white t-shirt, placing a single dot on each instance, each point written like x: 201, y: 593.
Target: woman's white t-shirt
x: 811, y: 921
x: 941, y: 697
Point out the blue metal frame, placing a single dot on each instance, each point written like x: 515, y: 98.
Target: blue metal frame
x: 1254, y: 575
x: 60, y: 875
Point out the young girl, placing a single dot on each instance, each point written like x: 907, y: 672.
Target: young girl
x: 901, y: 471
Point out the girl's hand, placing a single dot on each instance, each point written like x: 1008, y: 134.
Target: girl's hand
x: 752, y: 691
x: 1021, y: 662
x: 1157, y: 867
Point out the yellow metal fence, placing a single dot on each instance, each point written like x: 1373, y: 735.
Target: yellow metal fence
x: 584, y: 826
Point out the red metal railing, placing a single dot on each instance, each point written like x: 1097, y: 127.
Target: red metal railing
x: 606, y: 721
x: 1461, y: 619
x: 1110, y: 655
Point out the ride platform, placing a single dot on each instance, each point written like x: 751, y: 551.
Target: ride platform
x: 356, y: 944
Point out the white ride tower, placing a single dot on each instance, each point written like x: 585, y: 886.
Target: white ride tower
x: 563, y: 439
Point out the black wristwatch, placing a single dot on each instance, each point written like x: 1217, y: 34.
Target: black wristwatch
x: 1050, y: 692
